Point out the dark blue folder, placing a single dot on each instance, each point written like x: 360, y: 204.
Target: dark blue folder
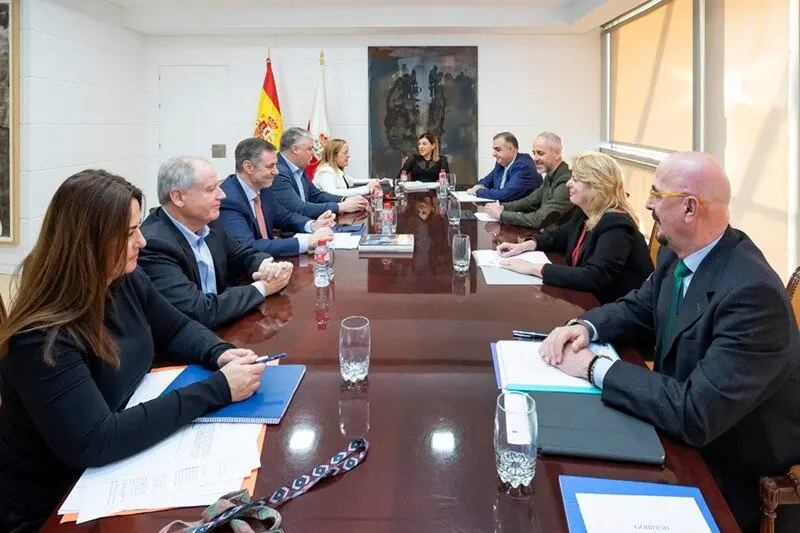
x: 572, y: 485
x: 266, y: 406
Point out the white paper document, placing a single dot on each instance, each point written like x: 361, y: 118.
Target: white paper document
x: 494, y: 274
x: 484, y: 217
x: 521, y: 368
x: 462, y: 196
x: 192, y: 467
x: 420, y: 185
x: 345, y: 241
x: 618, y: 513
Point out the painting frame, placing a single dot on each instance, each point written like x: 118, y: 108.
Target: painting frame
x: 9, y: 151
x: 413, y: 89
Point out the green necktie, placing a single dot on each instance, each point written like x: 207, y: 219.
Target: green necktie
x: 680, y: 272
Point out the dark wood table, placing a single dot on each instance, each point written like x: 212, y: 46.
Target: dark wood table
x: 428, y: 407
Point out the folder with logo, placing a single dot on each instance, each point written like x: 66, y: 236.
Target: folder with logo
x: 266, y: 406
x: 594, y: 505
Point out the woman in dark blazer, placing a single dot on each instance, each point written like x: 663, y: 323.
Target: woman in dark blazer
x: 604, y: 251
x: 426, y: 165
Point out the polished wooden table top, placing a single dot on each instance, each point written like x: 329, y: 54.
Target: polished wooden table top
x: 428, y: 406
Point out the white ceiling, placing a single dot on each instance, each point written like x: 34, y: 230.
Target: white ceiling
x: 237, y: 17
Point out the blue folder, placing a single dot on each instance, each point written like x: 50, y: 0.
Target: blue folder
x: 572, y: 485
x: 266, y: 406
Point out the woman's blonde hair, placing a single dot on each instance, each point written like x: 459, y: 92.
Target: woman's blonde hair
x: 331, y: 152
x: 604, y: 177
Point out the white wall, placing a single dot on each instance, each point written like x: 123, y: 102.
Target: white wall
x: 526, y: 84
x: 82, y: 103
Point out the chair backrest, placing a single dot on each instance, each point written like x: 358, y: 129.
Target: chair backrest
x: 793, y: 288
x: 653, y: 243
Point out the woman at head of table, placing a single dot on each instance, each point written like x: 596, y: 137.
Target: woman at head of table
x: 605, y: 253
x: 426, y: 165
x: 80, y: 336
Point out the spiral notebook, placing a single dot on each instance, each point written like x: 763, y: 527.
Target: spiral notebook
x: 266, y: 406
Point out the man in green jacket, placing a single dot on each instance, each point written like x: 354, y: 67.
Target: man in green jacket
x: 549, y: 205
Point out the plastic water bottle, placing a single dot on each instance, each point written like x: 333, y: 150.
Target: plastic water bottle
x: 322, y: 276
x: 443, y: 188
x: 400, y: 185
x: 331, y: 257
x: 377, y: 198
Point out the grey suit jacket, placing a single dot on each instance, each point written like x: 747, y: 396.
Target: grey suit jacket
x: 730, y: 383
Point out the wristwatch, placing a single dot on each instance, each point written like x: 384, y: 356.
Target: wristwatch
x: 584, y: 323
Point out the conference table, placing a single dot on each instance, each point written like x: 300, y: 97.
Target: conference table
x: 428, y: 405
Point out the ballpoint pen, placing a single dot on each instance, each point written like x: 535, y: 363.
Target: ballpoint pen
x: 529, y: 335
x: 268, y: 358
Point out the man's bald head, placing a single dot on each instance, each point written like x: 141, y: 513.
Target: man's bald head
x: 697, y: 174
x: 698, y: 213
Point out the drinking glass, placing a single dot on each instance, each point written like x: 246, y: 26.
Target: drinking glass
x: 453, y: 210
x: 354, y: 348
x: 515, y: 436
x: 461, y: 252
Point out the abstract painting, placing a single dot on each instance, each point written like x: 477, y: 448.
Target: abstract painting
x: 418, y: 89
x: 9, y: 122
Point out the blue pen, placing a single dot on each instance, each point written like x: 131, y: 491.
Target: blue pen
x: 268, y: 358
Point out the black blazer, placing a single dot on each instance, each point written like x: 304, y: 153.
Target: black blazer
x: 614, y: 259
x: 170, y: 263
x: 730, y: 381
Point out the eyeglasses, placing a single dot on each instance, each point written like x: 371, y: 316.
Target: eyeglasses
x: 669, y: 194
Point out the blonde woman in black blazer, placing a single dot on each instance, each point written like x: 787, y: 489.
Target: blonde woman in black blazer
x: 604, y: 251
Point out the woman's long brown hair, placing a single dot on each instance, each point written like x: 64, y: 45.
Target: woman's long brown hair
x: 64, y: 280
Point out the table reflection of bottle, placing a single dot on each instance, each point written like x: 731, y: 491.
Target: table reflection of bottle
x: 354, y: 408
x: 323, y: 302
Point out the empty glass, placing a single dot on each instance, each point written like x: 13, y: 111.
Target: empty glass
x: 461, y: 252
x: 354, y: 347
x: 453, y: 210
x: 515, y: 436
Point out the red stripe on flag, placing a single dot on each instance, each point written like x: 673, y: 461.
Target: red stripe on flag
x: 269, y: 85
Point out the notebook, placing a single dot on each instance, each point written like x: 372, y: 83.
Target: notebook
x: 594, y: 505
x: 266, y: 406
x: 518, y: 366
x: 386, y: 243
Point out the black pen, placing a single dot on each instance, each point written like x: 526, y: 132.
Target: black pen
x: 529, y: 335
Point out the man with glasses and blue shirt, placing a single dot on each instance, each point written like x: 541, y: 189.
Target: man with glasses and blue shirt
x: 294, y: 191
x: 727, y: 356
x: 189, y: 257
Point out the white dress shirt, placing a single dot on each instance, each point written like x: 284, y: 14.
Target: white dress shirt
x: 336, y: 181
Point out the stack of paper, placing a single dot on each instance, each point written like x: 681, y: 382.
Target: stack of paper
x: 193, y: 467
x: 518, y: 366
x: 462, y: 196
x: 420, y: 185
x: 489, y: 263
x: 346, y: 241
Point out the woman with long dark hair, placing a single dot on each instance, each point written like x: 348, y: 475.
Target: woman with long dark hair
x: 80, y: 335
x: 426, y: 165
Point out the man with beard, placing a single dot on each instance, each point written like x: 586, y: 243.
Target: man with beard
x: 727, y: 355
x: 549, y: 205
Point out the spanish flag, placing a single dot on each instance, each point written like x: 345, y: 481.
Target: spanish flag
x: 269, y: 123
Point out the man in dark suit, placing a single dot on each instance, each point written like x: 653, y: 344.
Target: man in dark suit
x: 727, y: 355
x: 514, y: 175
x: 250, y: 213
x: 189, y: 257
x: 294, y: 191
